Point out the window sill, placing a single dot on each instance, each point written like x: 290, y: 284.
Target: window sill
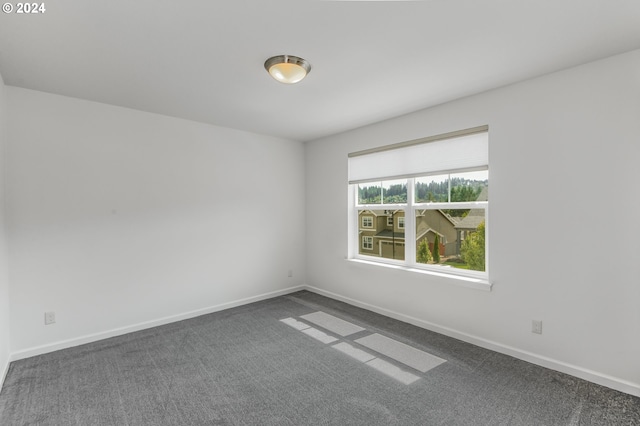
x: 464, y: 281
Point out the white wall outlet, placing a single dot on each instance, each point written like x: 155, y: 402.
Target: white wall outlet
x: 536, y: 326
x: 290, y: 273
x: 49, y: 318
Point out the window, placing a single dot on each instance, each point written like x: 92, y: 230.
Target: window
x: 367, y: 243
x: 435, y: 191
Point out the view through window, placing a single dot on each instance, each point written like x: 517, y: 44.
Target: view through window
x: 435, y: 220
x: 444, y: 233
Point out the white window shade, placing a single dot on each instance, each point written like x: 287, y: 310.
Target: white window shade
x: 442, y: 153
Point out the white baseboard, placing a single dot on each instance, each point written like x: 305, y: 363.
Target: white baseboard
x: 3, y: 372
x: 64, y: 344
x: 582, y: 373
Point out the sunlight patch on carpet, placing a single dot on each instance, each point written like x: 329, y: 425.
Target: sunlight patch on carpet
x: 331, y: 323
x: 355, y: 353
x: 298, y: 325
x: 319, y: 335
x: 392, y: 371
x: 408, y: 355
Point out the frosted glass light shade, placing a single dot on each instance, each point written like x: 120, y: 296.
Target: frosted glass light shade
x: 287, y: 73
x: 287, y: 69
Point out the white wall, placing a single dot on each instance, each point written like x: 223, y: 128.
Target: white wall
x: 564, y: 230
x: 120, y: 219
x: 4, y: 283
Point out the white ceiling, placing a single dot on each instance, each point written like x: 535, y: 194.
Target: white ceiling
x: 203, y: 59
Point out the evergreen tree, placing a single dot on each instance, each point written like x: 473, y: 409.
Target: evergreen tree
x: 436, y: 249
x: 395, y: 194
x: 472, y: 249
x: 423, y: 255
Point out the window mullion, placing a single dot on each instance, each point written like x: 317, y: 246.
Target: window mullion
x: 410, y: 225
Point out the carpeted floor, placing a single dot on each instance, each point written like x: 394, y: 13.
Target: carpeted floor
x: 300, y: 359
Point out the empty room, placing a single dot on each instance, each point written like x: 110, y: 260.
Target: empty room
x: 320, y: 212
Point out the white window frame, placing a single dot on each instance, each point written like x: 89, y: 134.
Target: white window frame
x: 390, y: 220
x: 469, y: 278
x: 401, y: 221
x: 410, y: 209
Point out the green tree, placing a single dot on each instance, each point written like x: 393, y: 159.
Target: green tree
x: 436, y: 249
x: 472, y: 249
x: 395, y: 194
x: 423, y: 254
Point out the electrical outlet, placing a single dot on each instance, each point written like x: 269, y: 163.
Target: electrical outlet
x: 290, y: 274
x: 536, y: 327
x: 49, y: 318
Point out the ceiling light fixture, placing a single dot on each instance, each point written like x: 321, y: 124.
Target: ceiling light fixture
x: 287, y: 69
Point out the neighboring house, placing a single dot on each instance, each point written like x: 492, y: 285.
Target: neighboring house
x: 432, y: 222
x: 382, y: 232
x: 468, y: 225
x: 471, y: 221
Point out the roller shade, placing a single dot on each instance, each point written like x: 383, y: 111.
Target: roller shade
x: 464, y: 150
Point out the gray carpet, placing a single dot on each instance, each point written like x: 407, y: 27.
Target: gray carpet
x: 245, y: 366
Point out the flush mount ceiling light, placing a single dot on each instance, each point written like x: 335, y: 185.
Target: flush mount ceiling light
x: 287, y: 69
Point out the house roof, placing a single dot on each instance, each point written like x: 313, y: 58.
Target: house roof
x: 376, y: 213
x: 471, y: 221
x: 422, y: 232
x: 387, y: 233
x: 447, y: 216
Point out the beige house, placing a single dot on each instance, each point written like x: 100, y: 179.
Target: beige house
x: 382, y: 232
x: 430, y: 223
